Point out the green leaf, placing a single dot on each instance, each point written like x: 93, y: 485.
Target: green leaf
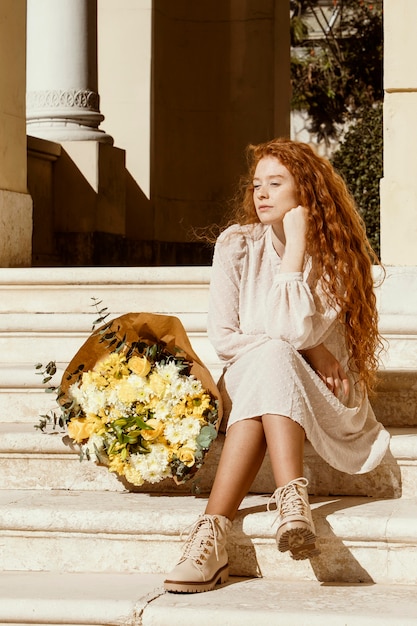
x: 206, y: 437
x: 142, y: 425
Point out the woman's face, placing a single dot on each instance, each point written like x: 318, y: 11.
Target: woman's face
x: 274, y: 192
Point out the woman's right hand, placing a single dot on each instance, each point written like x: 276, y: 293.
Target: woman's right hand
x: 295, y: 225
x: 328, y: 368
x: 295, y: 229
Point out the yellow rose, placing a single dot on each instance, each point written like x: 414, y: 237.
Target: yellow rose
x: 158, y: 429
x: 79, y: 429
x: 186, y: 456
x: 157, y: 384
x: 94, y: 424
x: 139, y: 365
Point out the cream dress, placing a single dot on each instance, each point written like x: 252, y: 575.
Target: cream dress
x: 259, y: 318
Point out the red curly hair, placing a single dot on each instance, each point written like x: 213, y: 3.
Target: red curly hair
x: 336, y: 240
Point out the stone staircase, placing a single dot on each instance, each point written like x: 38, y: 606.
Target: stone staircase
x: 77, y: 548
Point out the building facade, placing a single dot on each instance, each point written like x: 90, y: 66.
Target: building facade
x: 123, y: 125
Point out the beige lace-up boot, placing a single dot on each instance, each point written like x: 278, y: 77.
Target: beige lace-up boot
x: 296, y: 531
x: 204, y: 561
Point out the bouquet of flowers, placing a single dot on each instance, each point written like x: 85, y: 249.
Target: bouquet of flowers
x: 138, y: 399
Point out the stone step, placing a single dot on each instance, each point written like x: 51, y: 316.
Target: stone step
x: 52, y: 305
x: 362, y: 540
x: 63, y: 599
x: 46, y: 314
x: 30, y: 459
x: 23, y: 397
x: 67, y: 599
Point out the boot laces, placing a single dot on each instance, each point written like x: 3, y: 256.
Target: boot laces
x: 289, y: 500
x: 201, y: 538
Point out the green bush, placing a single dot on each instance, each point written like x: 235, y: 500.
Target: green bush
x: 359, y: 161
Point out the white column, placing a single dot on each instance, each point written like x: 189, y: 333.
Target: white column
x: 62, y: 93
x: 399, y: 185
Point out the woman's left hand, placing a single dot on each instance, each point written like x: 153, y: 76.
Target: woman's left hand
x: 328, y: 368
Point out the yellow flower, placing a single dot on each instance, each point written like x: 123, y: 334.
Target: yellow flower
x: 117, y: 465
x: 134, y: 476
x: 125, y: 392
x: 186, y: 456
x: 139, y: 365
x: 114, y: 414
x: 157, y: 384
x: 79, y: 429
x: 94, y: 423
x: 94, y: 378
x: 104, y: 416
x: 112, y: 365
x: 158, y: 429
x: 179, y: 409
x: 201, y: 404
x: 152, y: 404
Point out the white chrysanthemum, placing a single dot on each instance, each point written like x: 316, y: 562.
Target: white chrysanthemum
x: 115, y: 406
x: 180, y: 431
x: 144, y: 394
x: 191, y: 427
x: 89, y: 398
x: 168, y: 371
x: 137, y: 382
x: 154, y: 466
x: 196, y: 385
x: 188, y: 386
x: 162, y: 410
x: 178, y: 388
x: 191, y: 443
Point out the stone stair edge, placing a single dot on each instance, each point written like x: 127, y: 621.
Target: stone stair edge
x: 360, y: 540
x: 51, y: 322
x: 57, y: 598
x: 114, y: 275
x: 357, y: 519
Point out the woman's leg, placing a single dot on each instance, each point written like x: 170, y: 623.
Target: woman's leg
x: 241, y: 458
x: 204, y: 561
x: 285, y: 441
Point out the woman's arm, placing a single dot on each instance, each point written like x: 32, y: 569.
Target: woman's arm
x: 223, y: 325
x: 293, y: 312
x: 295, y: 228
x: 328, y: 368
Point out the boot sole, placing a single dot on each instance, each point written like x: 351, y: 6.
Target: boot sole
x: 298, y: 539
x: 219, y: 578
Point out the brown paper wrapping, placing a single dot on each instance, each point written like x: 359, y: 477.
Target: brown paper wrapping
x: 148, y: 327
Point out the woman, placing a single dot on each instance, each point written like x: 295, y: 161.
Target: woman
x: 293, y: 315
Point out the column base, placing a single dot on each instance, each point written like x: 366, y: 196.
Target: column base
x: 65, y: 115
x: 67, y: 132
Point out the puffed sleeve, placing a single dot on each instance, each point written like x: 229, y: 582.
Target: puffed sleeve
x: 297, y: 315
x: 223, y: 326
